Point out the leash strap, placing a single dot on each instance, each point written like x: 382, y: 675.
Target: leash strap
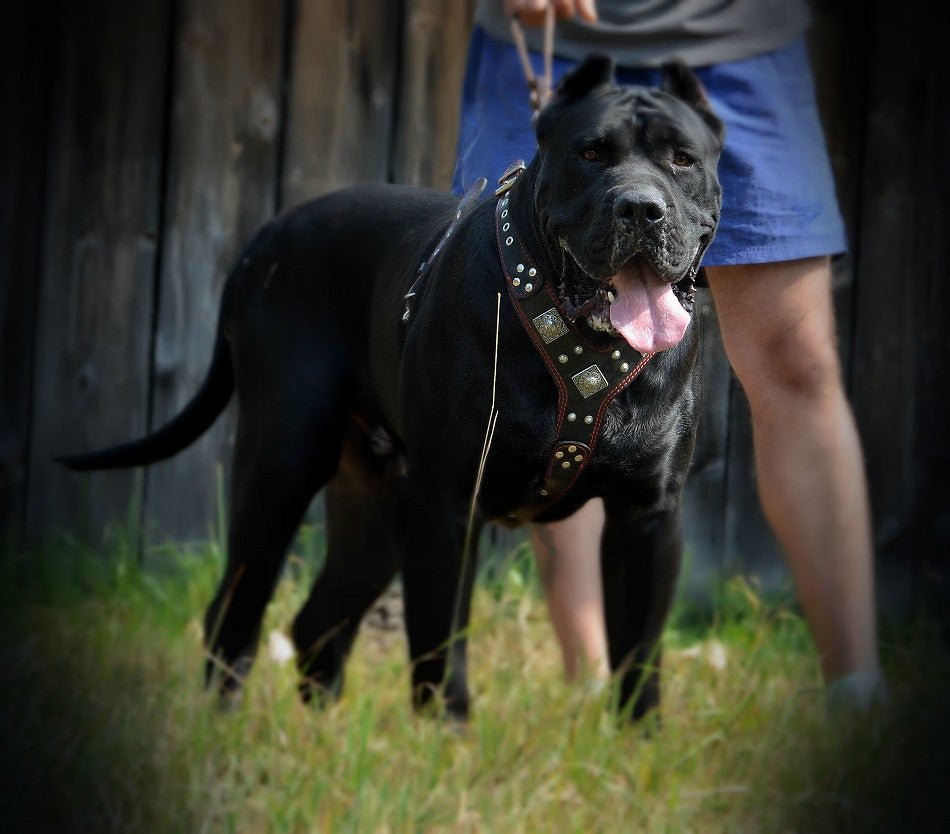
x: 587, y: 377
x: 539, y: 87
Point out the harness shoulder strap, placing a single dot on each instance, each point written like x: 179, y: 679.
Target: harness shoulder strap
x: 467, y: 203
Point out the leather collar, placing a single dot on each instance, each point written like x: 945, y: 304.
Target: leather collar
x: 587, y: 377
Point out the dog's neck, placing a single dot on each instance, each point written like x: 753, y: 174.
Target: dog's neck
x: 529, y: 222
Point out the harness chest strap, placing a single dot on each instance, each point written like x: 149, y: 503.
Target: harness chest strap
x: 587, y: 377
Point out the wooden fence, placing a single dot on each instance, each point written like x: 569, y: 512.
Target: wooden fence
x: 145, y: 142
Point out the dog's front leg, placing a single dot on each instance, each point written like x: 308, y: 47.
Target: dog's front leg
x: 437, y: 585
x: 640, y: 557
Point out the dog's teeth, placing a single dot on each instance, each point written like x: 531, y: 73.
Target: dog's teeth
x: 610, y: 296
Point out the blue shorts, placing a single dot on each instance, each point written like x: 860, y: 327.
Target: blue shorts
x: 779, y: 200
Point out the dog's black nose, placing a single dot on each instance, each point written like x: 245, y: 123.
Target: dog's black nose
x: 643, y: 206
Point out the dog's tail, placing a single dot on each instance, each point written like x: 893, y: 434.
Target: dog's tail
x: 181, y: 431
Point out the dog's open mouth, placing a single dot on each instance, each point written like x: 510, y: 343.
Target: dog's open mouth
x: 637, y: 303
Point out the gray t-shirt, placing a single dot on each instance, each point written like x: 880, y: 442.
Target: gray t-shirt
x: 646, y: 33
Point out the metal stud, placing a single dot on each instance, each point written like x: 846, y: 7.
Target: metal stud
x: 562, y: 358
x: 559, y: 455
x: 516, y: 282
x: 578, y: 350
x: 571, y: 417
x: 590, y: 381
x: 624, y: 367
x: 528, y: 287
x: 550, y: 325
x: 544, y: 492
x: 508, y: 241
x: 532, y: 272
x: 578, y: 458
x: 566, y: 464
x: 588, y: 419
x: 572, y: 449
x: 520, y: 267
x: 615, y: 354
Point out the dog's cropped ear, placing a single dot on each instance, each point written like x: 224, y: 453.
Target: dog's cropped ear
x: 594, y: 71
x: 680, y: 81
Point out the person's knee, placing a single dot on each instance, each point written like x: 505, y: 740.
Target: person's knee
x: 792, y: 363
x: 777, y: 347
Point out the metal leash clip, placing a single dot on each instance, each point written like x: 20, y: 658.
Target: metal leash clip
x: 507, y: 179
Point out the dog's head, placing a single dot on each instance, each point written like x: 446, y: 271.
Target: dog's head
x: 627, y: 188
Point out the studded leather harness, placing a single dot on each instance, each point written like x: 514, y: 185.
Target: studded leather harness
x: 587, y: 377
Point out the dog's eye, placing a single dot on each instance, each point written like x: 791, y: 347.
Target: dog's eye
x: 681, y: 159
x: 590, y: 154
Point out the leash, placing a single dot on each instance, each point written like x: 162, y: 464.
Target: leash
x: 539, y: 87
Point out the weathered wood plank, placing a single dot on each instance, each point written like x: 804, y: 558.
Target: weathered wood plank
x: 435, y: 42
x: 95, y: 309
x: 24, y: 88
x: 341, y: 97
x: 839, y: 63
x: 221, y: 187
x: 901, y: 374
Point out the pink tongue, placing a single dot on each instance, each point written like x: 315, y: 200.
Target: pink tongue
x: 645, y: 311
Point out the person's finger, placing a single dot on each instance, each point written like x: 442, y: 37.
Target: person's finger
x: 564, y: 9
x: 587, y: 9
x: 529, y: 12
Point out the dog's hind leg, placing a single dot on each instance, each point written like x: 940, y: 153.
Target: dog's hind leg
x: 284, y: 454
x: 640, y: 557
x: 364, y: 540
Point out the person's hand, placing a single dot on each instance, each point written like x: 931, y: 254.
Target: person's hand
x: 531, y: 12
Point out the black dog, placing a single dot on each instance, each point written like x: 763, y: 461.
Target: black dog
x: 602, y: 233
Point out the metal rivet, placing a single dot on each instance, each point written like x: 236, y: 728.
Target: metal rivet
x: 562, y: 358
x: 559, y: 455
x: 566, y: 464
x: 504, y: 213
x: 588, y: 419
x: 578, y: 458
x: 624, y: 367
x: 516, y: 282
x: 571, y: 417
x: 458, y: 214
x: 615, y: 354
x: 578, y: 350
x: 544, y: 492
x: 572, y: 449
x: 528, y: 287
x: 506, y: 227
x: 508, y: 241
x: 532, y: 272
x: 520, y: 267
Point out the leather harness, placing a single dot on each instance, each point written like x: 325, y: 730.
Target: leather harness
x: 587, y: 377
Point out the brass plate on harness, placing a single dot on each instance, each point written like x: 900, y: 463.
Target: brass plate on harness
x: 589, y: 381
x: 550, y: 325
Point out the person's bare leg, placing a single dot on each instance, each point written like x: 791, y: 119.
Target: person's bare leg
x: 568, y: 556
x: 778, y: 328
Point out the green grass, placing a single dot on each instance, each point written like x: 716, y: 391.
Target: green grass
x: 104, y: 726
